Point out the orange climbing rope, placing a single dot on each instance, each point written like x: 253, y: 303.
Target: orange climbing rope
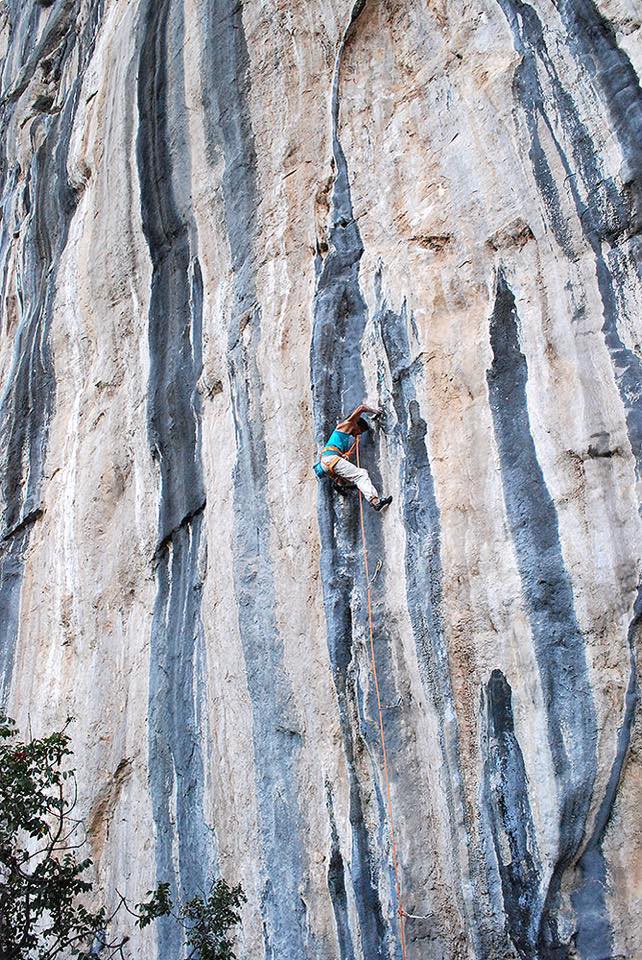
x: 391, y: 819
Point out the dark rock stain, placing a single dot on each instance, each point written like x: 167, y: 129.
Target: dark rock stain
x: 423, y: 569
x: 507, y: 806
x: 225, y: 64
x: 609, y: 213
x: 558, y: 642
x: 27, y: 399
x: 593, y: 41
x: 337, y: 886
x: 594, y: 934
x: 174, y: 335
x: 338, y: 385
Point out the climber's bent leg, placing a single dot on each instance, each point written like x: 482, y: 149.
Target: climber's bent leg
x: 358, y: 476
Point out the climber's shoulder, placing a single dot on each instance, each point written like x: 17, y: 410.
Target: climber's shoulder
x: 345, y: 426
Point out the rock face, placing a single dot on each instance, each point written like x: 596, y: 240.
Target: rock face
x: 223, y: 225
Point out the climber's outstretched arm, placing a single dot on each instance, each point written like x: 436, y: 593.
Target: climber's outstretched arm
x: 351, y: 420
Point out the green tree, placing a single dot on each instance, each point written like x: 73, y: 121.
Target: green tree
x: 44, y: 885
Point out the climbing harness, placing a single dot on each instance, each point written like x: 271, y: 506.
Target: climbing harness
x: 341, y: 455
x: 393, y: 840
x: 342, y: 445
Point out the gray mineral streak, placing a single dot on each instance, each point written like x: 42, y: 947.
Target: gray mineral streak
x: 221, y: 226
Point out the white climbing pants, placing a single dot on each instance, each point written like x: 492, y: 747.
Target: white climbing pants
x: 347, y: 471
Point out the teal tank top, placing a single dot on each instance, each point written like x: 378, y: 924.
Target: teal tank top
x: 342, y: 442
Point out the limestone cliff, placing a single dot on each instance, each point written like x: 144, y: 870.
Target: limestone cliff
x: 222, y: 225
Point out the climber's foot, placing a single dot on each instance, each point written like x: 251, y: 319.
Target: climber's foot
x: 379, y: 504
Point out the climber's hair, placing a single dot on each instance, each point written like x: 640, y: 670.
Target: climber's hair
x: 363, y: 425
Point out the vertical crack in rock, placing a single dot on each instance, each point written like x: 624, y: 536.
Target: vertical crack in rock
x: 422, y: 527
x: 338, y: 385
x: 608, y: 215
x: 176, y: 776
x: 49, y: 203
x: 507, y: 806
x: 275, y: 724
x: 558, y: 642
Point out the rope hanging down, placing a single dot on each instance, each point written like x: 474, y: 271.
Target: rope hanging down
x: 391, y: 820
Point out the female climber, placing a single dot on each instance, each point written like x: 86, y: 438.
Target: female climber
x: 334, y: 458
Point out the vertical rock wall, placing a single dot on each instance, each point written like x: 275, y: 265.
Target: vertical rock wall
x: 222, y: 226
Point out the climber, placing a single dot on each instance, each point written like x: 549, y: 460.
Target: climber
x: 334, y: 462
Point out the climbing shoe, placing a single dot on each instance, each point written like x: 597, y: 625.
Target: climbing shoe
x: 382, y: 503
